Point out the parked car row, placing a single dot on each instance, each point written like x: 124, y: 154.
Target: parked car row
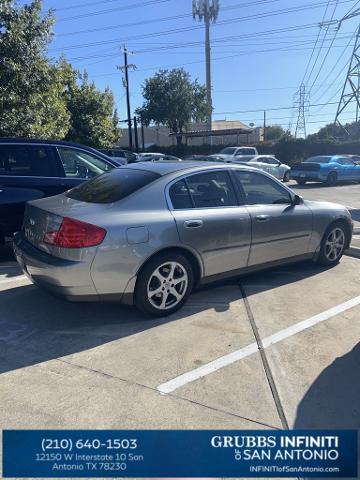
x: 328, y: 169
x: 33, y: 169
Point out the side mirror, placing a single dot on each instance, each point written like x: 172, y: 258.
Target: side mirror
x: 297, y: 200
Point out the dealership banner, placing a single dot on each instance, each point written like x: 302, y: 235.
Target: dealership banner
x: 179, y: 453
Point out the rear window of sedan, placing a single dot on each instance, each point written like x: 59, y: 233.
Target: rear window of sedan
x: 113, y: 186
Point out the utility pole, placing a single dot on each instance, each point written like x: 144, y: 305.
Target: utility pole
x: 136, y: 135
x: 264, y: 135
x: 125, y: 69
x: 207, y: 10
x: 142, y: 135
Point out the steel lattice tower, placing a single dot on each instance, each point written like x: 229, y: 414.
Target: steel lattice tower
x: 351, y: 90
x: 300, y: 130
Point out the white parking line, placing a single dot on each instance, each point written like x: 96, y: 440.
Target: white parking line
x: 14, y: 279
x: 221, y: 362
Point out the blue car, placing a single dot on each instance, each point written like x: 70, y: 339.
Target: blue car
x: 328, y: 169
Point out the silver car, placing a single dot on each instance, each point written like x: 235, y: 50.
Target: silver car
x: 148, y: 233
x: 269, y: 164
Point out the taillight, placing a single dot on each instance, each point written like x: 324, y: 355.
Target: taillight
x: 75, y: 234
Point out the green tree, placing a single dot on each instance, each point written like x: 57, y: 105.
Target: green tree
x: 31, y: 96
x: 172, y: 99
x: 93, y: 118
x: 333, y: 131
x: 274, y: 132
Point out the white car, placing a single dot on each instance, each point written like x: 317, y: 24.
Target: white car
x: 231, y: 153
x: 143, y: 157
x: 268, y: 163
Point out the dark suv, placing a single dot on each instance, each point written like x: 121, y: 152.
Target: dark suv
x: 31, y: 169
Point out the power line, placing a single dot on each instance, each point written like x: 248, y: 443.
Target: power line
x: 161, y: 19
x: 316, y: 41
x: 274, y: 109
x: 224, y: 22
x: 242, y: 53
x: 326, y: 54
x: 102, y: 12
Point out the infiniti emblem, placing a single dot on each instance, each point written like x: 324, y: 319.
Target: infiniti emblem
x: 32, y: 221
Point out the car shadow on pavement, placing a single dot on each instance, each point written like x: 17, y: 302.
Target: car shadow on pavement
x: 333, y: 400
x: 36, y: 326
x: 309, y: 186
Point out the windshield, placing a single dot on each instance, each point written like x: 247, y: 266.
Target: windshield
x: 318, y: 159
x: 228, y: 151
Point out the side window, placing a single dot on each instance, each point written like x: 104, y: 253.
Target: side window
x: 81, y: 164
x: 25, y: 160
x: 273, y: 161
x: 262, y: 160
x: 345, y: 161
x: 261, y: 190
x: 180, y: 196
x: 212, y: 189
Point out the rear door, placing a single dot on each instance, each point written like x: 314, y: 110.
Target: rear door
x: 27, y: 172
x: 280, y: 229
x: 274, y: 167
x: 210, y: 220
x: 262, y: 164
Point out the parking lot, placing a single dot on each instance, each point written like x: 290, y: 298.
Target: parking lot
x: 272, y: 350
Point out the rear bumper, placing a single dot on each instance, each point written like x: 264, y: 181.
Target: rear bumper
x: 64, y: 278
x: 308, y: 176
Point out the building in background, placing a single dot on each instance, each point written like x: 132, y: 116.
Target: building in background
x: 224, y: 132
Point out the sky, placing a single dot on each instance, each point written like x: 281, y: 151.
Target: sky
x: 262, y: 50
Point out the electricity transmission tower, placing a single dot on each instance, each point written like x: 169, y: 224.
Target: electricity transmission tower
x: 351, y: 89
x: 302, y: 104
x: 207, y: 10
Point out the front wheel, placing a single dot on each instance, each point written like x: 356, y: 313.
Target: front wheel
x: 333, y: 244
x: 164, y: 284
x: 286, y: 177
x: 301, y: 181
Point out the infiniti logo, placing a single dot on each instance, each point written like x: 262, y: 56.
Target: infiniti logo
x: 32, y: 221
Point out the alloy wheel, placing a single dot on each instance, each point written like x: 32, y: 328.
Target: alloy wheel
x: 167, y: 285
x: 334, y: 244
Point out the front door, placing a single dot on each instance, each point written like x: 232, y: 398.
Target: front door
x: 280, y: 230
x: 210, y: 220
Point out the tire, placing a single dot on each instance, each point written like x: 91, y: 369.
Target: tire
x: 331, y: 180
x: 301, y: 181
x: 286, y: 177
x: 155, y: 276
x: 327, y: 258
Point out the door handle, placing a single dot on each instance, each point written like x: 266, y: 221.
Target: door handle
x: 262, y: 218
x: 193, y: 223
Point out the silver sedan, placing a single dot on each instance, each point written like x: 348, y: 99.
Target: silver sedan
x: 148, y: 233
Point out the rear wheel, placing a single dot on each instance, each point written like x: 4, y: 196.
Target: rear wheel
x: 333, y: 244
x: 331, y: 179
x: 164, y: 284
x: 301, y: 181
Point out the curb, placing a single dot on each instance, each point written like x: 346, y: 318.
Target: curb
x: 353, y: 252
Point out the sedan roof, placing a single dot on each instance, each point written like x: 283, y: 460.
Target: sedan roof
x: 164, y: 168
